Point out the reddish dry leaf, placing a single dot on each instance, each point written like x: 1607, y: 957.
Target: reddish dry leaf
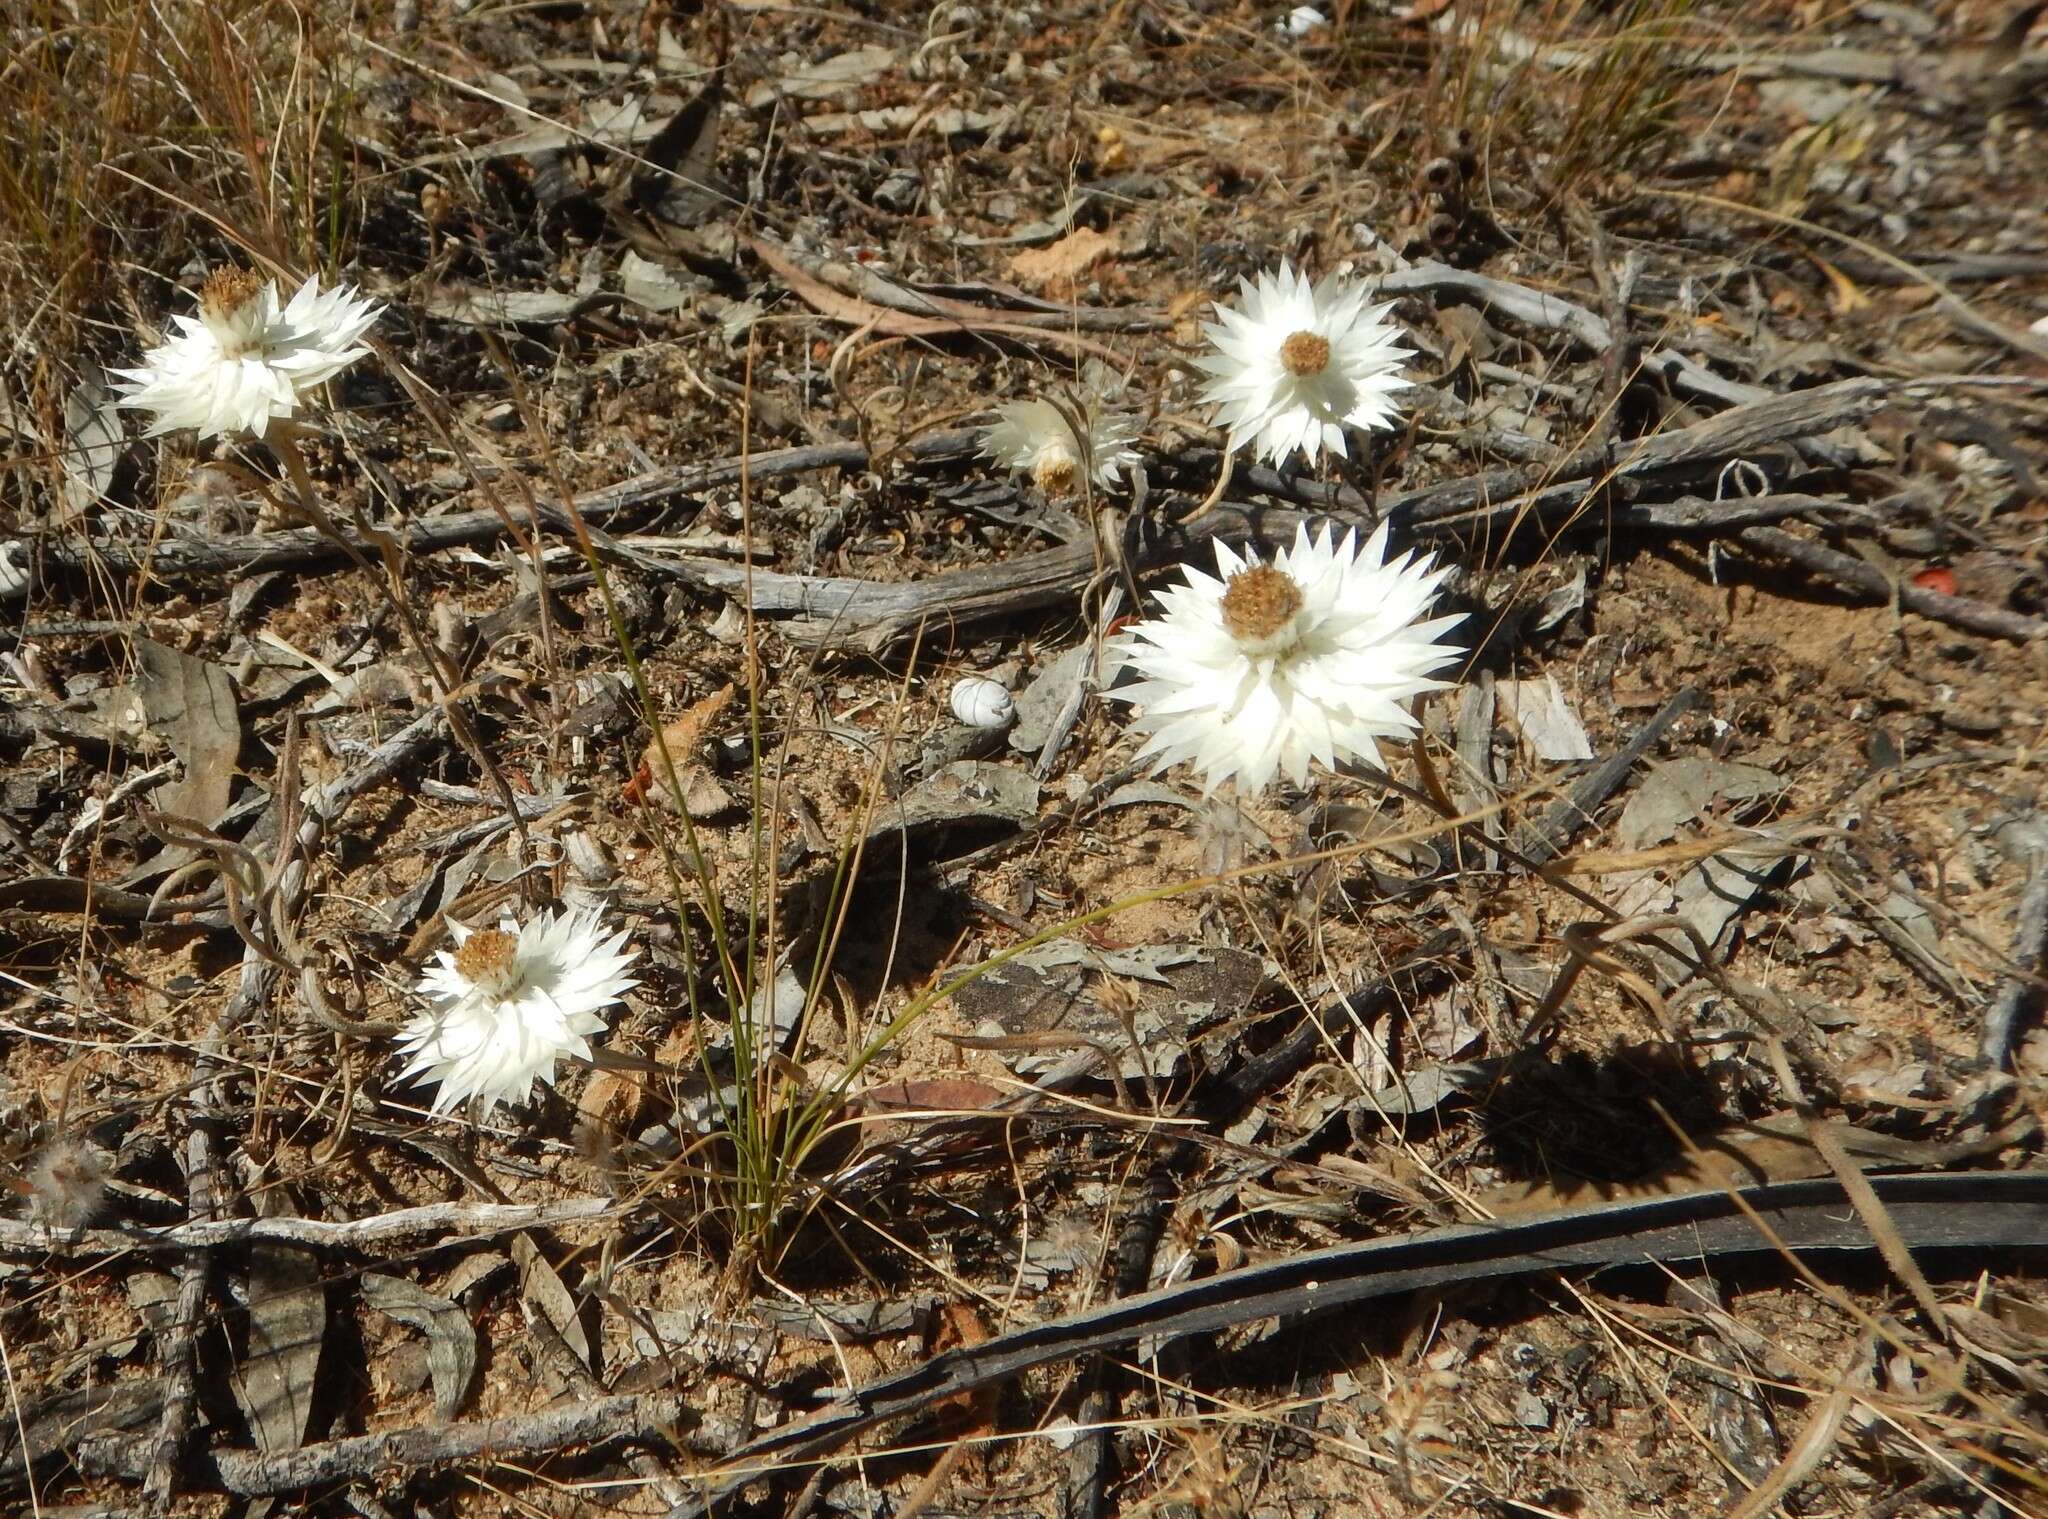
x: 965, y: 1414
x: 679, y: 1046
x: 609, y: 1105
x: 1845, y: 296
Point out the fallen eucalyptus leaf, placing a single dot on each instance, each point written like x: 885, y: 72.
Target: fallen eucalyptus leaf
x: 451, y: 1338
x: 541, y: 1291
x: 191, y: 705
x: 93, y: 445
x: 1677, y: 791
x: 274, y: 1379
x: 1539, y: 709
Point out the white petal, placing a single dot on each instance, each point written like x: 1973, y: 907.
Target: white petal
x: 1026, y: 433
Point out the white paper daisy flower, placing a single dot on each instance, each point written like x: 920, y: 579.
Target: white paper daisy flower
x: 1300, y: 363
x: 246, y: 361
x: 1268, y: 666
x: 509, y: 1002
x: 1033, y: 438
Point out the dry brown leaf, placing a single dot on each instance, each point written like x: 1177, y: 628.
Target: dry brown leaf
x: 1844, y: 295
x: 1065, y: 262
x: 679, y: 1047
x: 841, y: 307
x: 608, y: 1105
x: 960, y: 1328
x: 1607, y: 862
x: 901, y: 1109
x: 701, y: 793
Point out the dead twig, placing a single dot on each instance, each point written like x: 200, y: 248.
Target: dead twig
x: 308, y: 548
x: 261, y: 962
x: 870, y: 287
x: 1891, y: 1244
x: 1857, y: 575
x: 1420, y: 971
x: 178, y: 1357
x: 962, y: 320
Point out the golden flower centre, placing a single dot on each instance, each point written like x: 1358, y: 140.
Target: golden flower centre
x: 1259, y: 603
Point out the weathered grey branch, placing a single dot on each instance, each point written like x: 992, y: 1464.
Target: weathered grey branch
x: 865, y: 284
x: 871, y: 615
x: 250, y: 1474
x: 1418, y: 973
x: 471, y: 1220
x: 1731, y: 434
x: 1979, y: 1211
x: 1534, y: 308
x: 308, y: 548
x: 2022, y: 988
x: 177, y: 1353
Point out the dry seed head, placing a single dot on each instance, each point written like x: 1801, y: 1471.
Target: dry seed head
x: 1305, y: 354
x: 487, y: 957
x: 1114, y: 996
x: 1258, y: 605
x: 67, y: 1184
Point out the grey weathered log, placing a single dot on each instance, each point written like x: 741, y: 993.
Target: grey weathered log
x: 870, y: 615
x: 1985, y: 1213
x: 1553, y: 313
x: 1731, y: 434
x: 862, y: 614
x: 1534, y: 308
x: 466, y: 1220
x: 250, y: 1474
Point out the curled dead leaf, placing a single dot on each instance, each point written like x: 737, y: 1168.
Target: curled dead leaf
x: 608, y: 1107
x: 695, y: 791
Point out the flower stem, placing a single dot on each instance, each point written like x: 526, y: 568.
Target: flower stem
x: 283, y: 440
x: 1215, y: 495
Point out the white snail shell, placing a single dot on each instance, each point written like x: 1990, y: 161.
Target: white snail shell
x: 13, y: 571
x: 982, y: 703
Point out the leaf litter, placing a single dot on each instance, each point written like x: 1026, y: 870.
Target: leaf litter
x: 1662, y: 451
